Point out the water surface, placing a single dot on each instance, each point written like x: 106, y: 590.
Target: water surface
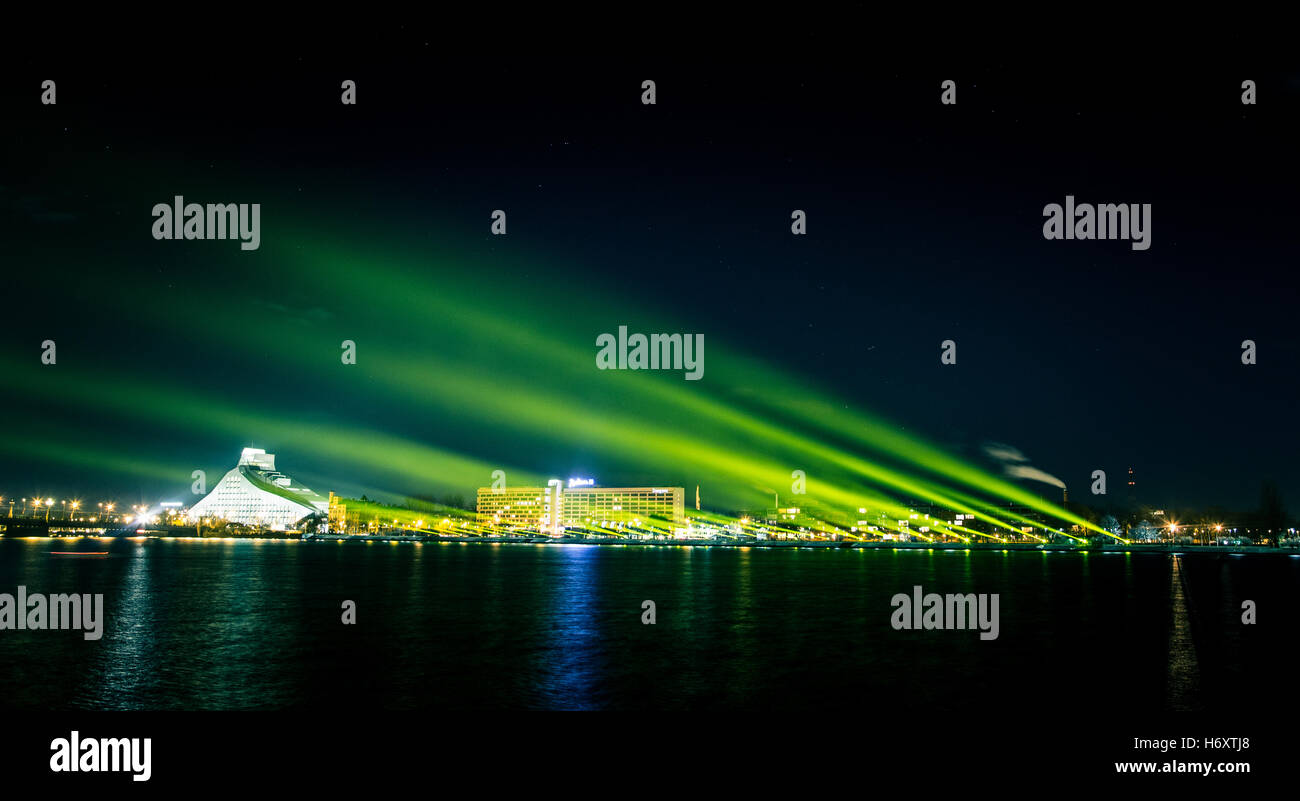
x: 257, y: 624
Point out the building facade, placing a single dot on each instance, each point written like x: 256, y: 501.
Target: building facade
x: 661, y: 508
x: 254, y: 493
x: 555, y: 509
x: 514, y: 507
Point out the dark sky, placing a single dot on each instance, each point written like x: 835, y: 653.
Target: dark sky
x: 924, y: 224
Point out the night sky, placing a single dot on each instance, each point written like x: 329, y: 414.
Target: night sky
x: 476, y: 352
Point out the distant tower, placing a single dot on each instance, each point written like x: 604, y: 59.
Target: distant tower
x: 697, y: 497
x: 1065, y: 497
x: 1132, y: 488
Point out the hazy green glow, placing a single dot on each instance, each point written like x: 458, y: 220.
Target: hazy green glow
x: 92, y: 459
x: 403, y: 374
x: 374, y: 450
x: 469, y: 350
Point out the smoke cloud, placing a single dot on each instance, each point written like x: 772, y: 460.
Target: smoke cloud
x: 1015, y: 464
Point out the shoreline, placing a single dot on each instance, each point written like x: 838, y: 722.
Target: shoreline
x: 1237, y: 550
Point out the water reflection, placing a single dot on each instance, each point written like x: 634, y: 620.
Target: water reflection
x: 1182, y: 681
x: 205, y: 624
x: 569, y: 666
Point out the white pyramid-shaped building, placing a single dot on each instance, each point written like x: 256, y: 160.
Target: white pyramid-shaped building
x: 256, y: 494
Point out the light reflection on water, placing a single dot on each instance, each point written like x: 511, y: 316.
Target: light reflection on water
x: 1182, y: 694
x: 216, y: 625
x: 567, y: 668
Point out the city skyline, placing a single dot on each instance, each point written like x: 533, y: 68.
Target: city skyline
x: 256, y: 495
x: 470, y: 377
x: 1083, y: 355
x: 1127, y: 499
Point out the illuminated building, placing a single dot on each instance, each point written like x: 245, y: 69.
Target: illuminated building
x: 514, y: 507
x: 792, y: 522
x: 583, y: 506
x: 254, y: 493
x: 613, y: 507
x: 340, y: 521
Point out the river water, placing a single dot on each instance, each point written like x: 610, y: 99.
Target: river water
x: 258, y: 624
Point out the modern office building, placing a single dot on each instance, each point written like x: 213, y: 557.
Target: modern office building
x: 254, y: 493
x: 554, y: 509
x: 661, y: 508
x: 514, y: 507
